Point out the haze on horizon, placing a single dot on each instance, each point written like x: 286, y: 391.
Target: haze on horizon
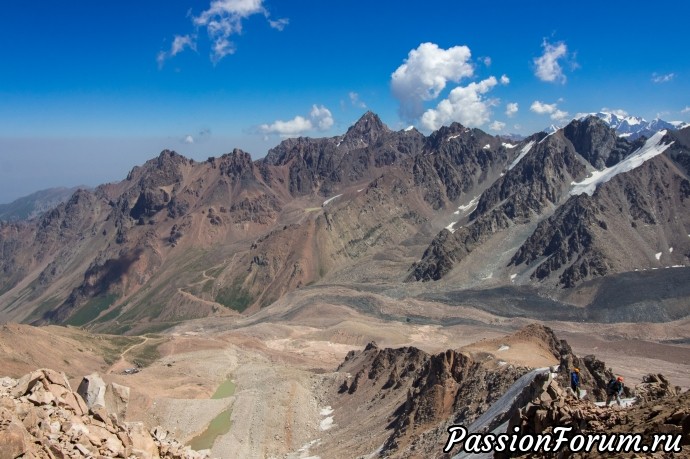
x: 89, y: 91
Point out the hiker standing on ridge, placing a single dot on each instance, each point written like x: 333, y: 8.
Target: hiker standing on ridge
x: 575, y: 382
x: 614, y: 389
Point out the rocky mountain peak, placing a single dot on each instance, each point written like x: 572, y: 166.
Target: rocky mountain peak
x: 237, y: 165
x: 367, y: 129
x: 596, y: 141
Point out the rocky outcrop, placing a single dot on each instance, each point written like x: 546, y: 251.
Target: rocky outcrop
x: 40, y: 416
x: 597, y: 142
x: 557, y: 407
x: 655, y: 387
x: 438, y: 390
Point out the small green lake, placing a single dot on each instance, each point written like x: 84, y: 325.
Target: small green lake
x: 225, y: 390
x: 220, y: 425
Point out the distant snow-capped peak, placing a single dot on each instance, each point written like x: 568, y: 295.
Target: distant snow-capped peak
x: 632, y: 127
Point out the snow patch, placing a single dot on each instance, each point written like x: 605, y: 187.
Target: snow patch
x: 504, y: 347
x: 450, y: 227
x: 303, y: 452
x: 327, y: 201
x: 649, y: 150
x: 326, y: 411
x: 658, y: 256
x: 470, y: 205
x: 670, y: 250
x: 326, y: 423
x: 453, y: 137
x: 409, y: 128
x: 625, y: 402
x: 486, y: 147
x: 522, y: 154
x: 508, y: 145
x: 360, y: 190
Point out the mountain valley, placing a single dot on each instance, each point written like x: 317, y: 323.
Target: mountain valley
x: 360, y: 292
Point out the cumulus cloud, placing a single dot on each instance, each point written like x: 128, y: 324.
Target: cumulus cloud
x: 465, y: 104
x: 511, y: 109
x: 425, y: 73
x: 222, y: 19
x: 180, y: 42
x: 542, y: 108
x: 685, y: 110
x: 547, y: 66
x: 497, y: 126
x: 319, y: 118
x: 657, y: 78
x: 486, y: 61
x: 505, y: 79
x: 355, y: 100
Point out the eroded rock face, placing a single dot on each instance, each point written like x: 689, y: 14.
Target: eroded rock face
x: 441, y: 389
x: 40, y: 416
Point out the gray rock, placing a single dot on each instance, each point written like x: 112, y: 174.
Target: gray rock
x: 92, y: 389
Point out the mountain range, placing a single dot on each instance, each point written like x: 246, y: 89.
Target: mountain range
x: 628, y: 126
x: 567, y: 218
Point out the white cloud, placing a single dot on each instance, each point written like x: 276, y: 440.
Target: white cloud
x: 180, y: 42
x: 223, y: 19
x: 497, y: 126
x: 464, y: 105
x: 547, y: 66
x: 685, y: 110
x: 425, y: 73
x: 511, y: 109
x: 542, y: 108
x: 322, y: 117
x: 505, y: 79
x: 319, y: 118
x: 294, y: 127
x: 486, y: 61
x: 355, y: 100
x: 656, y: 78
x: 559, y: 115
x: 279, y: 24
x: 201, y: 137
x: 619, y: 112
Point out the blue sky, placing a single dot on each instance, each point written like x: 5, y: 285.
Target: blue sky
x: 90, y: 89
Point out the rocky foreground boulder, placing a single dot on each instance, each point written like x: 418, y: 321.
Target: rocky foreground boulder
x: 665, y: 410
x: 42, y: 417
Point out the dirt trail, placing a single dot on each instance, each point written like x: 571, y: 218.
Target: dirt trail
x: 122, y: 364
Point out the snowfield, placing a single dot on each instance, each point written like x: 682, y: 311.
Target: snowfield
x: 522, y: 154
x: 652, y: 147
